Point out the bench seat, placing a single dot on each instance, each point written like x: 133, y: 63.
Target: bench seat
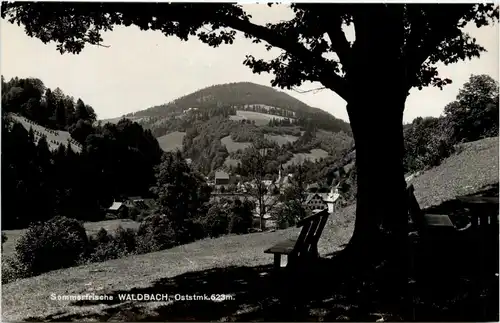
x: 284, y: 247
x: 306, y: 245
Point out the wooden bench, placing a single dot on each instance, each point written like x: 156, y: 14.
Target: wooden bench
x: 471, y: 250
x: 425, y: 222
x: 305, y: 247
x: 482, y: 220
x: 474, y: 245
x: 437, y: 242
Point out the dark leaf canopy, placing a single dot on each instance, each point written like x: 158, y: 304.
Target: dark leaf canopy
x: 414, y: 37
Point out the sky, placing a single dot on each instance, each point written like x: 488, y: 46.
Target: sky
x: 141, y: 69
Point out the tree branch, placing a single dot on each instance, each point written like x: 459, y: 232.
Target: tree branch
x: 339, y: 42
x: 443, y: 23
x: 315, y: 90
x: 331, y: 20
x: 327, y: 76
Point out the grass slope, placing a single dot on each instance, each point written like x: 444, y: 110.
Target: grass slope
x: 261, y: 119
x: 233, y: 145
x: 314, y: 155
x: 281, y: 139
x: 117, y: 119
x: 54, y: 137
x: 231, y: 162
x: 171, y: 141
x: 463, y: 173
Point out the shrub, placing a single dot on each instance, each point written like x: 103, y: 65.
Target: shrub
x: 133, y: 213
x: 287, y: 214
x: 123, y: 213
x: 216, y: 222
x: 105, y: 246
x: 57, y: 243
x: 13, y: 269
x: 142, y: 215
x: 427, y: 142
x: 241, y: 217
x: 155, y: 233
x: 127, y: 238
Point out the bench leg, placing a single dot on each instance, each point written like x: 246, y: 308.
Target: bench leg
x: 277, y: 261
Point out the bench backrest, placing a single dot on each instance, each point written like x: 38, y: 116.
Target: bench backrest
x: 312, y: 228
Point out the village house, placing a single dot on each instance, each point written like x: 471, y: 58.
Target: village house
x: 135, y: 201
x: 221, y: 178
x: 116, y: 207
x: 314, y: 201
x: 321, y: 201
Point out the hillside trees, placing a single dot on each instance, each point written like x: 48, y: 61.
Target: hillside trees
x: 52, y: 109
x: 246, y: 96
x: 474, y: 115
x: 254, y: 163
x: 182, y: 195
x: 396, y: 48
x: 38, y: 183
x: 294, y: 196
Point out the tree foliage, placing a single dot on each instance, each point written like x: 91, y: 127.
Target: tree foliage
x: 422, y: 34
x: 474, y: 115
x: 52, y: 109
x: 182, y: 195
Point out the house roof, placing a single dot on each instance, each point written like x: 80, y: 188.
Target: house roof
x: 311, y: 196
x: 115, y: 206
x: 221, y: 175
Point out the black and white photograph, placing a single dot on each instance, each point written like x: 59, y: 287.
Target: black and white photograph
x: 251, y: 162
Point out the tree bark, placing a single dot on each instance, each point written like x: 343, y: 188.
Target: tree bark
x: 381, y: 226
x: 376, y: 116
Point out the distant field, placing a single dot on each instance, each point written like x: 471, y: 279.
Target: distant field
x: 261, y: 119
x: 9, y: 247
x: 265, y: 106
x: 325, y: 132
x: 314, y: 155
x: 116, y: 120
x: 231, y: 162
x: 281, y: 139
x: 54, y: 137
x: 171, y: 141
x: 233, y: 145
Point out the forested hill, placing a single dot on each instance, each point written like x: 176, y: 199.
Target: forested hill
x: 247, y: 96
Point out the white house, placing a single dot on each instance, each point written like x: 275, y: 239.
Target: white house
x: 320, y: 201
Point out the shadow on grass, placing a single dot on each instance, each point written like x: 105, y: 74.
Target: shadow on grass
x: 320, y: 294
x: 326, y: 292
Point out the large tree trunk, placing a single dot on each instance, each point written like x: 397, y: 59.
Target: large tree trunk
x: 380, y: 232
x: 376, y: 117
